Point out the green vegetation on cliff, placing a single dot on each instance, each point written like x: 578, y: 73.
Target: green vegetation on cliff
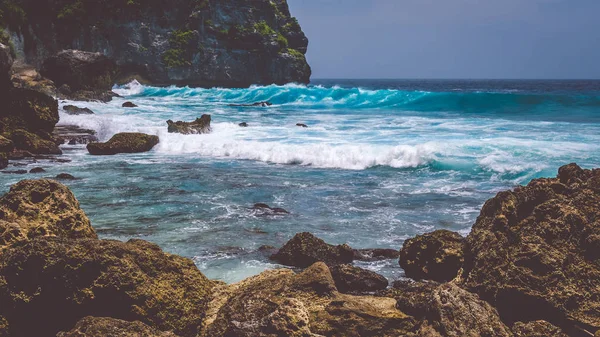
x: 177, y: 55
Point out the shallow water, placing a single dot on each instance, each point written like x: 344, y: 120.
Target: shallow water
x: 380, y: 162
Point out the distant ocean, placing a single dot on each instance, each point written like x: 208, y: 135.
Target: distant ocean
x: 381, y: 161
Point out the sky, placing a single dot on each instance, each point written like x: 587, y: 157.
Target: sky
x: 542, y: 39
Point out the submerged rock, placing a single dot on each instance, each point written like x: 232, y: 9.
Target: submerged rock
x: 129, y: 105
x: 37, y: 170
x: 199, y: 126
x: 41, y: 208
x: 436, y: 256
x: 302, y: 125
x: 132, y: 142
x: 65, y: 176
x: 112, y: 327
x: 304, y: 249
x: 131, y: 281
x: 350, y: 279
x: 534, y: 252
x: 257, y: 104
x: 264, y: 209
x: 74, y: 110
x: 243, y: 125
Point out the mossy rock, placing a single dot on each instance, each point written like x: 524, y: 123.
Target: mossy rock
x: 33, y: 143
x: 199, y: 126
x: 6, y: 145
x: 41, y: 208
x: 107, y: 326
x: 58, y: 281
x: 304, y: 249
x: 28, y: 110
x: 128, y: 142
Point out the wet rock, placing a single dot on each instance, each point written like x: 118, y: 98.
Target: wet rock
x: 74, y: 135
x: 106, y: 326
x: 350, y: 279
x: 448, y: 309
x: 375, y: 254
x: 304, y: 249
x: 6, y: 145
x: 199, y: 126
x: 15, y: 172
x: 436, y: 256
x: 257, y: 104
x: 282, y: 303
x: 302, y: 125
x: 20, y: 154
x: 41, y: 208
x: 243, y: 125
x: 124, y: 143
x: 3, y: 160
x: 37, y: 170
x: 80, y: 70
x: 534, y: 252
x: 65, y: 176
x: 537, y: 329
x: 264, y: 209
x: 74, y: 110
x: 33, y: 143
x: 132, y: 281
x: 129, y: 105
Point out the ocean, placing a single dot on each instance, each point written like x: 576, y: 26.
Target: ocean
x: 380, y: 162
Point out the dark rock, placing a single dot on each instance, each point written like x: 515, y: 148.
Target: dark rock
x: 74, y: 135
x: 534, y: 252
x: 436, y: 256
x: 132, y: 281
x: 243, y: 125
x: 264, y: 209
x: 37, y: 170
x: 302, y: 125
x: 3, y: 160
x: 80, y: 70
x: 34, y: 143
x: 304, y: 249
x: 448, y: 309
x: 129, y: 105
x: 106, y: 326
x: 65, y: 176
x: 74, y: 110
x: 20, y: 154
x: 6, y: 145
x: 199, y: 126
x: 537, y: 329
x: 124, y: 143
x: 350, y: 279
x: 15, y: 172
x: 375, y: 254
x: 6, y: 62
x: 257, y: 104
x: 41, y: 208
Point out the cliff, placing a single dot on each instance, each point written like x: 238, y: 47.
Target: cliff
x: 231, y: 43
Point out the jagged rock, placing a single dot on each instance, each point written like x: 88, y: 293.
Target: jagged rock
x: 282, y: 303
x: 375, y: 254
x: 80, y: 70
x: 129, y: 105
x: 350, y: 279
x: 302, y: 125
x: 131, y: 281
x: 73, y: 135
x: 304, y: 249
x: 124, y: 143
x: 448, y: 309
x: 25, y: 76
x: 199, y: 126
x: 264, y: 209
x: 436, y: 256
x: 41, y: 208
x: 534, y: 252
x: 34, y: 143
x: 537, y: 329
x: 74, y: 110
x: 106, y: 326
x: 65, y: 176
x: 6, y: 145
x: 6, y: 62
x: 37, y: 170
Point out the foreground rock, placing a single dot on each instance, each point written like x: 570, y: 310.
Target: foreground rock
x: 282, y: 303
x: 433, y: 256
x: 106, y: 326
x: 534, y: 252
x: 131, y: 281
x: 304, y: 249
x: 35, y: 208
x: 447, y: 310
x: 75, y: 110
x: 537, y: 329
x: 124, y: 143
x: 199, y: 126
x: 350, y: 279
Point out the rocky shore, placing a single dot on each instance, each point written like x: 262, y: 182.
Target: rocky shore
x: 529, y: 267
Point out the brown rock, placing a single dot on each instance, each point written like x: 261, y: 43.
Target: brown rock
x: 129, y: 105
x: 199, y: 126
x: 304, y: 249
x: 537, y: 329
x: 34, y: 143
x: 106, y: 326
x: 436, y: 256
x: 350, y: 279
x: 124, y: 143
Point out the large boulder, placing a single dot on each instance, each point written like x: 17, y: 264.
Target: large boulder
x: 34, y: 143
x: 200, y: 125
x: 537, y: 329
x: 350, y: 279
x: 448, y: 310
x: 282, y: 303
x: 304, y: 249
x: 534, y: 252
x: 58, y: 281
x: 436, y: 256
x: 80, y: 70
x: 128, y: 142
x: 41, y: 208
x: 106, y: 326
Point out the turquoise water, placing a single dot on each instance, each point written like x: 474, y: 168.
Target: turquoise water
x: 380, y: 162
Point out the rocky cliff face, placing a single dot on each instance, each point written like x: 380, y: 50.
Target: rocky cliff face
x: 191, y: 42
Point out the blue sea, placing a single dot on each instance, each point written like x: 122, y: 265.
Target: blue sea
x: 381, y: 161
